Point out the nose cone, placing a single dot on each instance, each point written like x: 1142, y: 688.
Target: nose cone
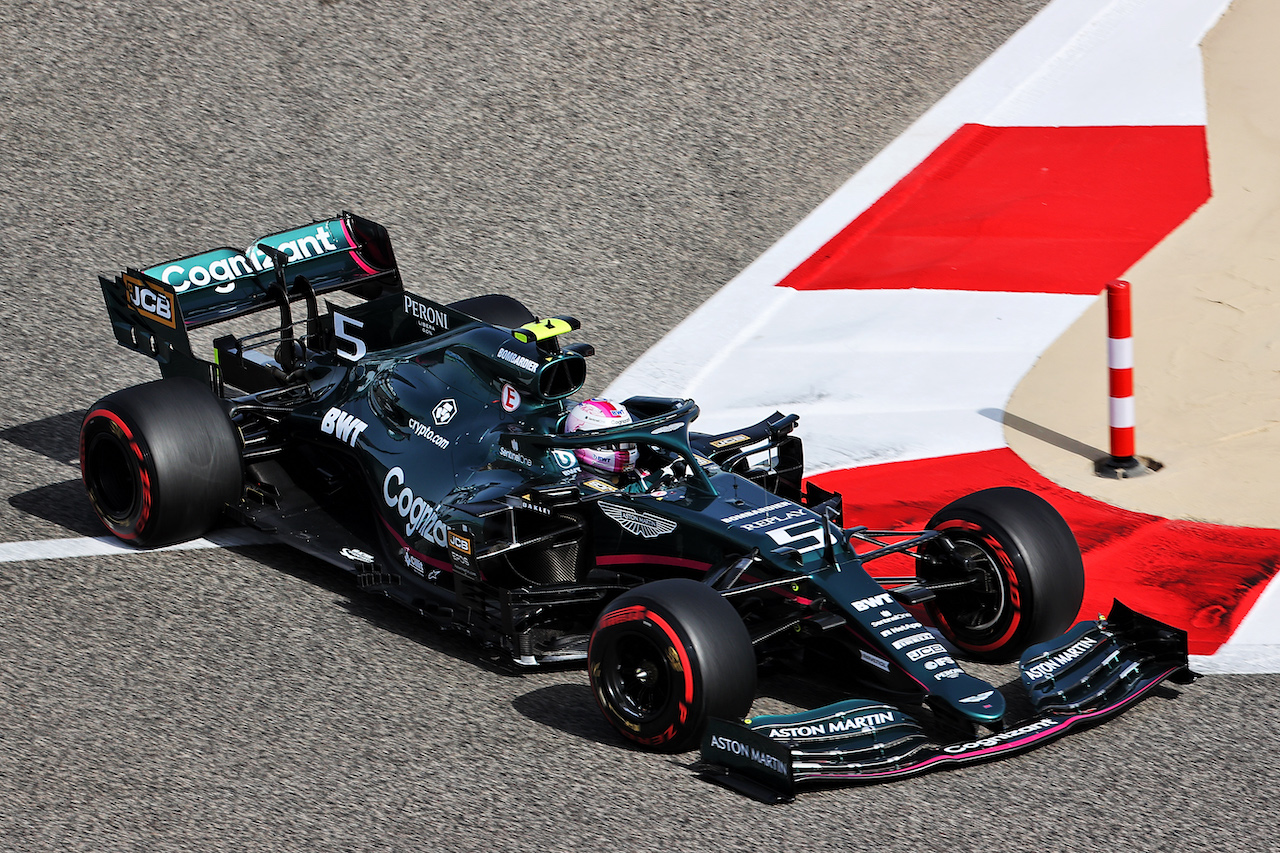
x: 972, y: 699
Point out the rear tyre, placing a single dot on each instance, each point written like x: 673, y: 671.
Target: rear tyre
x: 160, y: 461
x: 666, y: 657
x: 1025, y: 564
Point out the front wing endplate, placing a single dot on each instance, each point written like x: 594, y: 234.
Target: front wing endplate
x: 1093, y: 672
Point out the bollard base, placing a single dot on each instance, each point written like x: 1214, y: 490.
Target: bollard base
x: 1125, y: 467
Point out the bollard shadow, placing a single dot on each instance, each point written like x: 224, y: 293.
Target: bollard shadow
x: 1048, y: 436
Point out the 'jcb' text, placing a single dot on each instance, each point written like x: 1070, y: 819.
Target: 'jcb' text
x: 149, y: 303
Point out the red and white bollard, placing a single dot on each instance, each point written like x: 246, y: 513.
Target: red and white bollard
x: 1123, y: 461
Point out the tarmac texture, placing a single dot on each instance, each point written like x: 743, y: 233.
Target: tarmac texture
x: 615, y: 161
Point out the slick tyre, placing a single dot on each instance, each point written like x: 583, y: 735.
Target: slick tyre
x: 667, y: 656
x: 160, y: 461
x: 1016, y: 568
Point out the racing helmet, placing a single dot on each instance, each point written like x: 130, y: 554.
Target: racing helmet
x: 598, y: 414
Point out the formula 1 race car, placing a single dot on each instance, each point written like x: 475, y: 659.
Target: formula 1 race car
x: 422, y: 447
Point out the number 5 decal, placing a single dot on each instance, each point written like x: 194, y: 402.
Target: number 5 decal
x: 341, y: 324
x: 804, y: 535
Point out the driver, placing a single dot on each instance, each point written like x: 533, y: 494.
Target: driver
x: 614, y: 461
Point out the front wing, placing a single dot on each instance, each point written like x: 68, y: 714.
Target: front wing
x: 1093, y: 672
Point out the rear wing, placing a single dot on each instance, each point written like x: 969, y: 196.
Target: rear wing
x: 152, y: 309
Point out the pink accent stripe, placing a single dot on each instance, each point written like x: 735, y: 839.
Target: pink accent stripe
x: 1059, y: 729
x: 651, y: 560
x: 431, y: 561
x: 360, y: 262
x: 355, y: 257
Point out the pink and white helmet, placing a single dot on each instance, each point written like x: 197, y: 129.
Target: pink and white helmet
x: 598, y: 414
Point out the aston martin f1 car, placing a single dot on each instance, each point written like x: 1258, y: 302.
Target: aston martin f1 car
x: 421, y: 447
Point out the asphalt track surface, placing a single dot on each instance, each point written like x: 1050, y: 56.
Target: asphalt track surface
x: 618, y: 161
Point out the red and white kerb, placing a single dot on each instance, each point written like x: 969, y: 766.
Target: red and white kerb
x: 1120, y: 364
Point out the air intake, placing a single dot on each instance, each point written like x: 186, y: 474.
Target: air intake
x: 562, y: 376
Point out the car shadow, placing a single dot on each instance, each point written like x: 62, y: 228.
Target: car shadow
x: 64, y: 504
x: 383, y: 613
x: 57, y: 436
x: 569, y: 708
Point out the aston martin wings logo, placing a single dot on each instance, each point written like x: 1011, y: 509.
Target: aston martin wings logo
x: 637, y: 523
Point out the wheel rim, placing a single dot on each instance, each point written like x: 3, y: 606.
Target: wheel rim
x: 112, y: 477
x: 637, y: 679
x: 980, y: 608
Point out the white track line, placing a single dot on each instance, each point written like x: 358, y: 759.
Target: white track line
x: 107, y: 546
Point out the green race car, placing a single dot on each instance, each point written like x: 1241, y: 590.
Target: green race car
x: 424, y: 447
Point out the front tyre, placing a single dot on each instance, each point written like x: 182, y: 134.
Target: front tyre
x: 1007, y: 573
x: 160, y: 461
x: 667, y: 656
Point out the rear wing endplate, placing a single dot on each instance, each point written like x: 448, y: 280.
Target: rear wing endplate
x: 152, y: 309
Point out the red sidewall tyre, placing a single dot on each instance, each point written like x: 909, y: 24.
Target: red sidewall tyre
x: 666, y: 657
x: 1031, y: 567
x: 160, y: 461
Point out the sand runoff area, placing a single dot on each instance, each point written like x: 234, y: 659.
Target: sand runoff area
x: 1206, y: 317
